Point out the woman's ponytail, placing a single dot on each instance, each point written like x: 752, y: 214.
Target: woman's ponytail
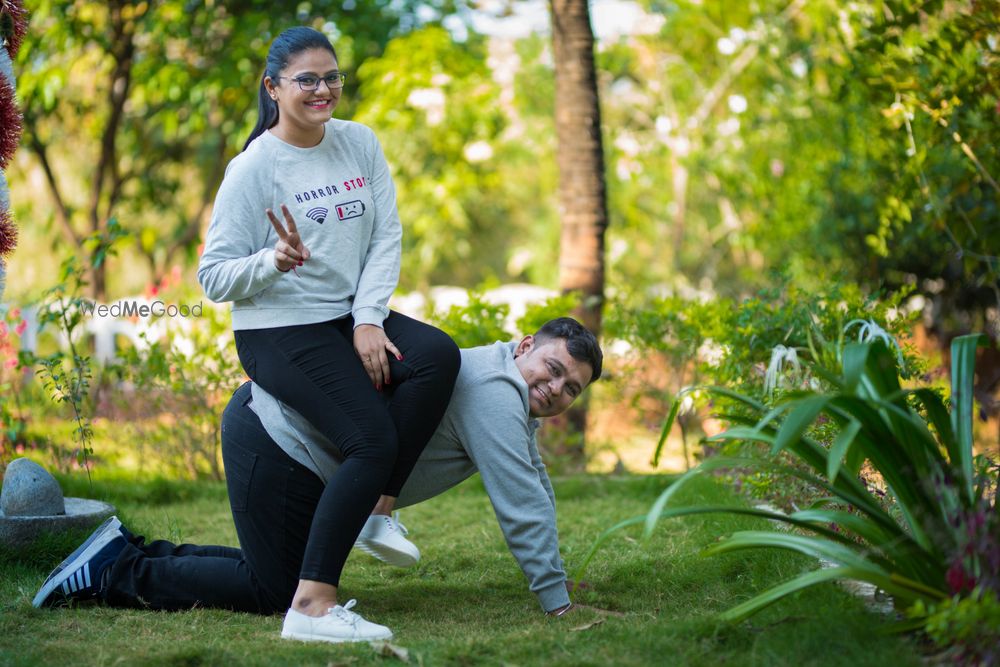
x: 267, y: 113
x: 284, y: 46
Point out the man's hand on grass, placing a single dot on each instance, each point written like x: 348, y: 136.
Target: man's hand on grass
x: 573, y: 609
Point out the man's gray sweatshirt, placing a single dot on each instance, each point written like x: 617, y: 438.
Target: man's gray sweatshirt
x: 487, y: 429
x: 343, y: 200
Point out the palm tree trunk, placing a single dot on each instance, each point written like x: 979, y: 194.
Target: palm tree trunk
x: 580, y: 156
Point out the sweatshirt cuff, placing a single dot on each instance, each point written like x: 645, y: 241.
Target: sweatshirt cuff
x: 269, y: 271
x: 554, y: 596
x: 369, y: 315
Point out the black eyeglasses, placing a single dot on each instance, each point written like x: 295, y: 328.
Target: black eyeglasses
x: 310, y: 83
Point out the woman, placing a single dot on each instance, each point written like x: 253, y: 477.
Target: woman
x: 309, y: 300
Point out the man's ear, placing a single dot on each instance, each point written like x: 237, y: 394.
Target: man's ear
x: 524, y: 346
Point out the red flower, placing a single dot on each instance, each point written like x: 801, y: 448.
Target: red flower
x: 13, y: 24
x: 8, y: 230
x: 10, y: 120
x: 957, y: 579
x: 21, y: 327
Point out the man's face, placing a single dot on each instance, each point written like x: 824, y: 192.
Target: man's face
x: 554, y: 377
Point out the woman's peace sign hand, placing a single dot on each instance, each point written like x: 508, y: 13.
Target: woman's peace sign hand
x: 289, y: 252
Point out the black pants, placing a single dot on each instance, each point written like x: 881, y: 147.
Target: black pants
x: 315, y: 370
x: 273, y: 500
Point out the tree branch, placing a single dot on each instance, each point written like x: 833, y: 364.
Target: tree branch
x: 121, y: 76
x: 62, y: 210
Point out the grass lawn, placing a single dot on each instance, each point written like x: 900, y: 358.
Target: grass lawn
x: 467, y: 602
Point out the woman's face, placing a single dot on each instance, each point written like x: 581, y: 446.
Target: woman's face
x: 306, y: 109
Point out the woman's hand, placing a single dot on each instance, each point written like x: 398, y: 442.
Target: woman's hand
x: 289, y: 252
x: 372, y: 345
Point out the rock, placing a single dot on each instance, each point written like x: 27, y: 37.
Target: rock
x: 29, y: 490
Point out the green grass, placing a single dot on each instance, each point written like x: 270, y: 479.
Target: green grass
x: 467, y: 602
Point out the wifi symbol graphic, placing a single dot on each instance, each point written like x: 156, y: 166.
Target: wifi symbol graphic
x: 318, y: 214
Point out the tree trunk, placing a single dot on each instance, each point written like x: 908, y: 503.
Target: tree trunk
x: 580, y: 156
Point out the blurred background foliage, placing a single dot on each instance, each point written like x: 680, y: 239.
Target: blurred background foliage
x: 771, y: 165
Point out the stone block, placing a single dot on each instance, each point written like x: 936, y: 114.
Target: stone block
x: 29, y: 490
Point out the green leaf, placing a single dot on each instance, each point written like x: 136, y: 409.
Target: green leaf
x: 667, y: 425
x: 840, y: 447
x: 938, y: 415
x: 963, y: 368
x: 799, y: 419
x: 816, y: 547
x: 855, y: 359
x: 770, y: 596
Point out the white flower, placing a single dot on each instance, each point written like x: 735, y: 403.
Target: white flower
x: 780, y: 356
x: 870, y: 331
x: 726, y: 46
x: 627, y: 144
x: 663, y: 126
x: 712, y: 353
x: 729, y: 127
x: 430, y: 100
x: 737, y: 103
x: 799, y: 67
x: 478, y: 151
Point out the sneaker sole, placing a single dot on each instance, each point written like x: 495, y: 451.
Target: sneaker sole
x: 305, y: 637
x: 389, y: 555
x: 111, y: 523
x: 83, y: 553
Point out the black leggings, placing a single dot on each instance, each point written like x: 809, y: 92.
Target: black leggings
x: 314, y: 369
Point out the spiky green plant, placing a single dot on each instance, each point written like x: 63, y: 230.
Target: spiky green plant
x: 921, y: 450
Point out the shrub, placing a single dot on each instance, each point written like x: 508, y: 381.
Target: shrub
x: 932, y: 537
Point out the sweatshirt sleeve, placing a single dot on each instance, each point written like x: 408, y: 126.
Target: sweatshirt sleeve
x: 543, y: 475
x: 238, y: 260
x: 499, y: 441
x: 380, y: 273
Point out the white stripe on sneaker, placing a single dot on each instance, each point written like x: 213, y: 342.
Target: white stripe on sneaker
x: 86, y: 574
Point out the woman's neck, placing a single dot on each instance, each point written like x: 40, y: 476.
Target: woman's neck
x: 301, y: 137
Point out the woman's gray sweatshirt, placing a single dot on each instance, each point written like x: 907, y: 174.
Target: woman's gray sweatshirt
x: 343, y: 200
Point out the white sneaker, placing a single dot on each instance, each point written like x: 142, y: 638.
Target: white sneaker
x: 385, y: 538
x: 338, y: 624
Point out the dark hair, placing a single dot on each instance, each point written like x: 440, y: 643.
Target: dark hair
x: 580, y: 343
x: 283, y: 48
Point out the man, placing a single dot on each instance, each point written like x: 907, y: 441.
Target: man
x: 276, y: 465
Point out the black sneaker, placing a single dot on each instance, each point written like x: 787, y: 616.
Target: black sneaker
x: 79, y: 576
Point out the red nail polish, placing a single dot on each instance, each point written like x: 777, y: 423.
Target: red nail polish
x: 300, y: 263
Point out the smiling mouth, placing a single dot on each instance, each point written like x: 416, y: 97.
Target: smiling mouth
x: 542, y: 396
x: 318, y: 104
